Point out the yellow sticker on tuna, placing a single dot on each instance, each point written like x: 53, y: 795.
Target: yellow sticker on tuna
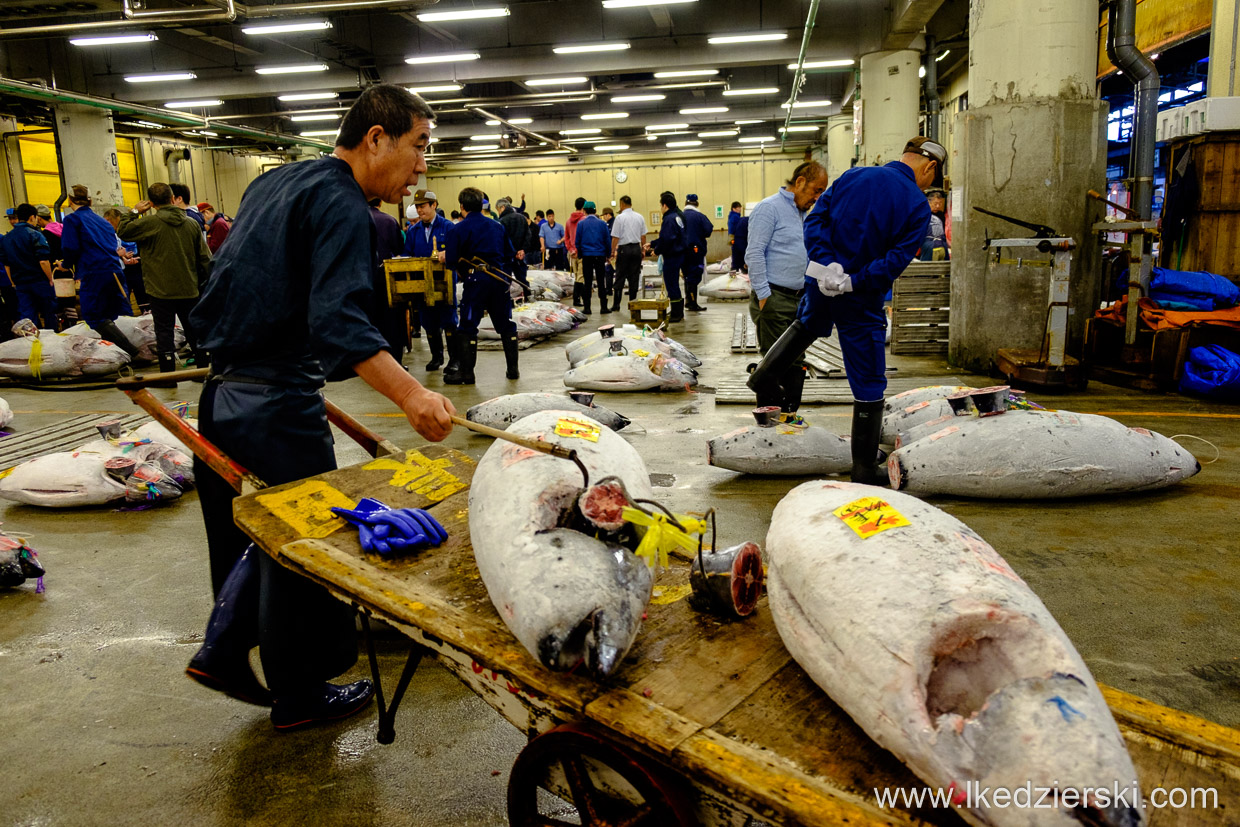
x: 869, y: 516
x: 418, y: 474
x: 307, y: 508
x: 577, y: 428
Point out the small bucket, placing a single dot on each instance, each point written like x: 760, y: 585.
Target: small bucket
x: 607, y: 331
x: 120, y: 468
x: 616, y: 348
x: 766, y: 416
x: 585, y: 398
x: 110, y: 429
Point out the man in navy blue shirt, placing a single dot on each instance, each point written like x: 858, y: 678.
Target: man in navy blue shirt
x: 28, y: 262
x: 672, y: 244
x: 286, y: 307
x: 860, y: 236
x: 89, y: 246
x: 593, y: 241
x: 700, y: 230
x: 428, y: 237
x: 478, y: 238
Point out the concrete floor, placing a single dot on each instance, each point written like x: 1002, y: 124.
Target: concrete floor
x: 101, y: 727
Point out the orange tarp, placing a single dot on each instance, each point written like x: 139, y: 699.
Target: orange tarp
x: 1156, y: 318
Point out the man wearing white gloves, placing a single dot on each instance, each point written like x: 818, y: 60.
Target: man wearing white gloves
x: 860, y: 236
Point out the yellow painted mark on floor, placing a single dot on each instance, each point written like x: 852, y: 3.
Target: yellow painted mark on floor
x: 869, y: 516
x: 419, y: 474
x: 307, y: 508
x: 670, y: 594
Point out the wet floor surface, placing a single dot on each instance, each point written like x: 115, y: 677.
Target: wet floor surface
x: 101, y: 727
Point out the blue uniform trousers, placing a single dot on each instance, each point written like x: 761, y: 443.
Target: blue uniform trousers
x: 484, y: 294
x: 38, y: 298
x: 863, y: 330
x: 693, y: 268
x: 672, y: 268
x: 103, y: 296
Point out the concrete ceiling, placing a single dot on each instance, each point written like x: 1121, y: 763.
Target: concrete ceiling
x: 370, y: 46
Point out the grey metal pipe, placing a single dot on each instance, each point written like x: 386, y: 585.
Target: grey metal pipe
x: 1140, y: 70
x: 797, y: 79
x: 933, y: 102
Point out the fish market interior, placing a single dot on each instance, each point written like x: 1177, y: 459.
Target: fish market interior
x: 620, y: 412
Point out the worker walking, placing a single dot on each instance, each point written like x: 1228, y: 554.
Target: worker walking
x: 28, y: 267
x: 287, y: 308
x: 700, y: 230
x: 860, y: 236
x: 428, y: 237
x: 672, y: 244
x: 475, y: 246
x: 89, y: 246
x: 593, y: 247
x: 628, y: 237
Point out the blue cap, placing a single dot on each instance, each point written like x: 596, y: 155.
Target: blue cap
x: 691, y: 198
x: 10, y: 211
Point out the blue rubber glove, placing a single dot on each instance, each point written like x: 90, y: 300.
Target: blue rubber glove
x: 383, y: 530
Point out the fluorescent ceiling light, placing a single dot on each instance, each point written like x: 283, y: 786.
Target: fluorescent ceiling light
x: 569, y: 81
x: 605, y: 116
x: 631, y: 4
x: 594, y: 131
x: 823, y: 64
x: 663, y: 127
x: 756, y: 90
x: 757, y: 139
x: 490, y: 136
x: 192, y: 104
x: 802, y: 128
x: 451, y: 57
x: 309, y: 96
x: 747, y: 121
x: 316, y: 116
x: 921, y: 71
x: 113, y: 39
x: 463, y: 14
x: 321, y: 133
x: 511, y: 120
x: 477, y: 147
x: 149, y: 124
x: 291, y: 70
x: 440, y: 87
x: 704, y: 110
x: 286, y: 28
x: 678, y: 144
x: 162, y: 76
x: 200, y: 133
x: 637, y: 98
x: 611, y: 147
x: 806, y: 104
x: 719, y: 133
x: 747, y: 38
x: 945, y: 54
x: 691, y: 85
x: 688, y: 73
x: 589, y: 48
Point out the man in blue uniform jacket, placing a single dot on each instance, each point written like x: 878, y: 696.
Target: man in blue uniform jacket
x: 673, y: 244
x: 285, y: 308
x: 700, y: 230
x: 479, y: 238
x: 89, y: 244
x: 426, y: 237
x: 860, y: 236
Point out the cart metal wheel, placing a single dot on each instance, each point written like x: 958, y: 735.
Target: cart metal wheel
x: 608, y: 786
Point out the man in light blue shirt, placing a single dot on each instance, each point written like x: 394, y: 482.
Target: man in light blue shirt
x: 777, y: 260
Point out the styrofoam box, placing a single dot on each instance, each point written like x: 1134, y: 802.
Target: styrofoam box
x: 1220, y: 114
x: 1190, y: 118
x: 1165, y: 120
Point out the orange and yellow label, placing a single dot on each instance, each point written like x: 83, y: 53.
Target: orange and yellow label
x: 577, y: 429
x: 869, y: 516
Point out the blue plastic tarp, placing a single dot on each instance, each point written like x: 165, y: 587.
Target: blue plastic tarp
x: 1201, y: 291
x: 1212, y: 370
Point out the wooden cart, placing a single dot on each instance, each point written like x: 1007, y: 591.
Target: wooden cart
x: 707, y: 721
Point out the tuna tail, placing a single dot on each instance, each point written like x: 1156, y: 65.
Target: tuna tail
x: 624, y: 422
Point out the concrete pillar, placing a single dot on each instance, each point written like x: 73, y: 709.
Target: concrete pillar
x: 890, y: 100
x: 1032, y: 142
x: 1223, y: 80
x: 840, y: 146
x: 87, y: 143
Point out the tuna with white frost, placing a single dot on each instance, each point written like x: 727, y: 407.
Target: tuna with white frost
x: 1039, y: 454
x: 930, y: 393
x: 567, y: 585
x: 640, y: 370
x: 925, y: 636
x: 782, y: 450
x: 502, y: 411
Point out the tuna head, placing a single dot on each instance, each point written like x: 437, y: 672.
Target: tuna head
x: 596, y: 594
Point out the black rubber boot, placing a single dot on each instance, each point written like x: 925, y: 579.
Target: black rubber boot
x: 767, y: 380
x: 510, y: 356
x: 454, y: 353
x: 167, y: 363
x: 223, y: 661
x: 435, y: 340
x: 109, y: 331
x: 867, y: 428
x: 794, y: 388
x: 677, y: 311
x: 469, y: 358
x: 692, y: 303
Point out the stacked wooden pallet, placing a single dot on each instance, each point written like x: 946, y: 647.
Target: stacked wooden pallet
x: 921, y: 309
x: 744, y: 334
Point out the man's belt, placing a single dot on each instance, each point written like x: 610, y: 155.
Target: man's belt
x: 787, y: 291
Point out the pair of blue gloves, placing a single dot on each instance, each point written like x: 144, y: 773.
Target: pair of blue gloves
x: 386, y: 531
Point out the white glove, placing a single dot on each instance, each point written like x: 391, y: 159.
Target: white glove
x: 832, y: 280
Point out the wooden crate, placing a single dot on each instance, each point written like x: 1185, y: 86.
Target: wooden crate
x: 1212, y: 242
x: 921, y: 309
x: 648, y: 311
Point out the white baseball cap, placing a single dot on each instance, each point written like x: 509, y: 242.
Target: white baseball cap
x: 411, y: 212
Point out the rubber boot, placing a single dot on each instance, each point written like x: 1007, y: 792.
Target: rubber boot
x: 469, y: 358
x: 677, y: 311
x: 510, y: 356
x: 167, y: 363
x: 454, y: 353
x: 767, y: 380
x: 867, y: 427
x: 435, y: 341
x: 692, y: 304
x: 223, y: 661
x: 577, y: 294
x: 794, y: 388
x: 109, y: 331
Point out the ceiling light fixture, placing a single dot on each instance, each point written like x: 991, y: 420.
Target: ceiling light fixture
x: 321, y: 133
x: 150, y: 125
x: 162, y: 76
x: 594, y: 131
x: 489, y: 136
x: 288, y: 28
x: 452, y: 57
x: 113, y: 39
x: 687, y: 73
x: 633, y: 4
x: 747, y: 121
x: 589, y: 48
x: 478, y: 147
x: 637, y: 98
x: 316, y: 116
x: 801, y: 128
x: 757, y: 139
x: 309, y: 96
x: 664, y: 127
x: 704, y: 110
x: 681, y: 144
x: 463, y: 14
x: 605, y: 116
x: 756, y: 90
x: 440, y: 87
x: 568, y: 81
x: 611, y: 147
x: 758, y: 37
x: 823, y: 64
x: 192, y: 104
x: 291, y: 70
x: 945, y: 54
x: 806, y: 104
x: 511, y: 120
x: 719, y: 133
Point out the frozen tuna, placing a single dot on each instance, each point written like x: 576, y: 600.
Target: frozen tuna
x: 930, y: 393
x: 60, y: 355
x: 502, y: 411
x: 536, y: 319
x: 640, y: 370
x: 554, y: 553
x: 782, y: 450
x: 925, y: 636
x: 593, y: 344
x: 729, y: 286
x: 139, y: 330
x: 905, y: 419
x: 18, y: 563
x: 1039, y: 454
x: 6, y: 414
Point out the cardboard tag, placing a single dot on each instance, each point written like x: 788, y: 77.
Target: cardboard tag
x: 869, y: 516
x: 577, y: 429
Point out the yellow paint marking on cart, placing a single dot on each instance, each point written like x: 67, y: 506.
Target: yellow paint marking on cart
x: 420, y: 475
x: 664, y: 596
x: 307, y: 507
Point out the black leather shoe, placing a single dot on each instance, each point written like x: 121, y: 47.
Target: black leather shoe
x: 234, y: 680
x: 331, y: 704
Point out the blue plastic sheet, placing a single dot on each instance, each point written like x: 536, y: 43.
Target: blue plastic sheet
x: 1212, y: 371
x: 1201, y: 291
